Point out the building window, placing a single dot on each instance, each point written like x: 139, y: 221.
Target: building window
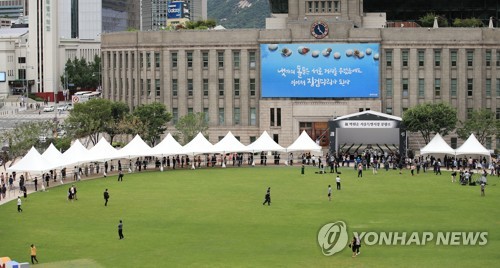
x: 276, y: 138
x: 404, y: 58
x: 388, y: 58
x: 132, y: 60
x: 453, y: 58
x: 148, y: 60
x: 190, y: 110
x: 498, y: 87
x: 469, y: 113
x: 252, y: 86
x: 252, y: 139
x: 221, y: 87
x: 252, y: 59
x: 329, y: 6
x: 190, y: 87
x: 157, y: 87
x: 142, y: 87
x: 175, y: 115
x: 21, y: 59
x: 133, y: 87
x: 421, y: 87
x: 148, y: 87
x: 310, y: 6
x: 470, y: 86
x: 421, y: 58
x: 437, y: 58
x: 253, y: 116
x: 237, y: 116
x: 336, y: 6
x: 236, y: 86
x: 488, y: 143
x: 278, y: 117
x: 114, y: 60
x: 205, y: 60
x: 189, y: 58
x: 498, y: 114
x: 221, y: 116
x: 388, y: 110
x: 453, y: 87
x: 157, y: 60
x: 405, y: 87
x: 220, y: 59
x: 236, y: 59
x: 388, y: 87
x: 453, y: 142
x: 205, y: 115
x: 498, y: 59
x: 271, y: 114
x: 174, y: 60
x: 487, y: 57
x: 174, y: 87
x: 488, y: 88
x: 470, y: 58
x: 126, y: 61
x: 205, y: 87
x: 437, y: 87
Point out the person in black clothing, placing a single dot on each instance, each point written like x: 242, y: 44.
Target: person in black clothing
x: 106, y: 197
x: 47, y: 179
x: 120, y: 175
x: 120, y: 230
x: 267, y: 198
x: 36, y: 184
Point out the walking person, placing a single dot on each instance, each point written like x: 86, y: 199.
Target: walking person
x: 338, y: 182
x: 120, y: 230
x: 329, y: 193
x: 302, y: 170
x: 483, y: 185
x: 360, y: 170
x: 106, y: 197
x: 19, y: 203
x: 120, y: 175
x: 267, y: 198
x: 33, y: 254
x: 36, y: 184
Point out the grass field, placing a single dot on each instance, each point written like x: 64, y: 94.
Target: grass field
x: 215, y: 218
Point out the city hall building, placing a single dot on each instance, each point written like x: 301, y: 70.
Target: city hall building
x: 315, y: 61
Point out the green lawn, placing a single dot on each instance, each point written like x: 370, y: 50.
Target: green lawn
x: 215, y: 218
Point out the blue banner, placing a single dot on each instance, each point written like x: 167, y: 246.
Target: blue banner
x: 320, y: 70
x: 174, y: 10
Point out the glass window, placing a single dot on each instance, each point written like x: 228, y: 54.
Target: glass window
x: 190, y: 87
x: 252, y: 86
x: 405, y: 87
x: 421, y: 58
x: 470, y: 87
x: 190, y: 110
x: 157, y: 60
x: 252, y: 59
x: 205, y: 87
x: 388, y: 110
x: 453, y: 58
x: 404, y: 58
x: 142, y: 87
x: 278, y: 117
x: 221, y: 116
x: 141, y: 60
x: 469, y: 113
x: 329, y: 6
x: 453, y: 143
x: 175, y: 115
x: 174, y: 87
x: 470, y: 58
x: 126, y: 61
x: 488, y: 143
x: 388, y: 58
x: 498, y: 88
x: 133, y: 60
x: 310, y: 6
x: 148, y: 87
x: 253, y: 116
x: 421, y: 87
x: 488, y: 88
x: 498, y: 114
x: 488, y: 57
x: 237, y: 116
x: 174, y: 60
x: 189, y: 57
x: 437, y: 58
x: 236, y: 86
x: 336, y: 6
x: 388, y: 87
x: 220, y: 59
x: 205, y: 115
x: 205, y: 60
x: 453, y: 87
x: 148, y: 60
x: 437, y: 87
x: 252, y: 139
x: 271, y: 115
x: 236, y: 59
x: 157, y: 87
x: 498, y: 58
x: 221, y: 87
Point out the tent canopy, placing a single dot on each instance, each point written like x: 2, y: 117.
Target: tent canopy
x: 437, y: 146
x: 52, y: 155
x: 265, y: 143
x: 229, y: 144
x: 168, y: 146
x: 198, y: 145
x: 303, y: 143
x: 135, y: 148
x: 472, y: 147
x: 31, y: 162
x: 101, y: 152
x: 76, y: 154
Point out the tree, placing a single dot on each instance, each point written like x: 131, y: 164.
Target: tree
x: 482, y: 123
x: 428, y: 20
x: 89, y: 119
x: 149, y: 121
x: 430, y: 118
x: 190, y: 124
x: 119, y: 112
x: 82, y: 74
x: 26, y: 135
x: 472, y: 22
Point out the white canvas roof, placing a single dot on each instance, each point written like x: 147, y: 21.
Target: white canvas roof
x: 102, y: 151
x: 437, y: 146
x: 265, y: 143
x: 76, y: 154
x: 135, y: 148
x: 303, y: 143
x: 229, y: 144
x: 198, y: 145
x: 472, y: 147
x: 168, y: 146
x: 31, y: 162
x: 52, y: 155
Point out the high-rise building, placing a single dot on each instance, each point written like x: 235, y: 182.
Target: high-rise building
x: 156, y: 13
x: 13, y: 8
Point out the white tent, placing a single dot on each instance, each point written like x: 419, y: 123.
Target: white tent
x: 76, y: 154
x: 168, y: 146
x: 303, y: 143
x: 102, y: 151
x: 52, y: 155
x: 472, y: 147
x: 198, y: 145
x: 31, y: 162
x: 437, y: 146
x: 135, y: 148
x: 265, y: 143
x: 229, y: 144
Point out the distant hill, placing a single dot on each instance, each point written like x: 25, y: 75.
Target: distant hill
x: 239, y: 13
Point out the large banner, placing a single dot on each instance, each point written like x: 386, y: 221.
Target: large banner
x: 320, y: 70
x: 174, y: 10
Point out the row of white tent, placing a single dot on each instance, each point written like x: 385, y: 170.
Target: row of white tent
x: 437, y: 146
x: 77, y: 154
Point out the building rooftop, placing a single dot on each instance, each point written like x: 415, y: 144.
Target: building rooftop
x: 12, y: 32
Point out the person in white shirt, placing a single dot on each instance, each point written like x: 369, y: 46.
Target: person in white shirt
x: 338, y: 182
x: 19, y: 202
x: 329, y: 193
